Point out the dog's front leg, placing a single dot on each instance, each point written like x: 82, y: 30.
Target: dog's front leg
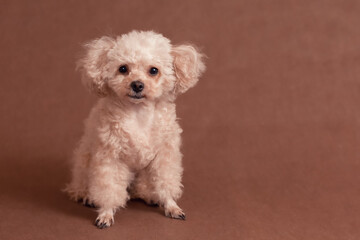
x: 166, y: 173
x: 108, y: 180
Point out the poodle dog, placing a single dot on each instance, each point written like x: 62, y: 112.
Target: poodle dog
x: 131, y: 144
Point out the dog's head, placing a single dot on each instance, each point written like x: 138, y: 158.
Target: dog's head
x: 139, y: 66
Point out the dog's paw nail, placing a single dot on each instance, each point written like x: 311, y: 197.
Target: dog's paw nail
x: 104, y: 220
x: 176, y: 213
x: 103, y: 225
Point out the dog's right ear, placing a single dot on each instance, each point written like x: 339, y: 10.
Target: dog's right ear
x: 188, y: 67
x: 93, y: 65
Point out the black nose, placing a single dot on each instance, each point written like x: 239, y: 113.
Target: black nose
x: 137, y: 86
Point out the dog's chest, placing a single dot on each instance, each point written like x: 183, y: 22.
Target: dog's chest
x: 140, y: 126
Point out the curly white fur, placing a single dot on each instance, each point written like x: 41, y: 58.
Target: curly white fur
x: 131, y: 144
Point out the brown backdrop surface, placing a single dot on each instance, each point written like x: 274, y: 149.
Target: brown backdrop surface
x: 271, y: 133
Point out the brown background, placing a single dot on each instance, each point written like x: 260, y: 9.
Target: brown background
x: 271, y: 133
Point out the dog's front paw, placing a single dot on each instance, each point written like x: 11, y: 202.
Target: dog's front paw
x: 105, y: 219
x: 175, y: 212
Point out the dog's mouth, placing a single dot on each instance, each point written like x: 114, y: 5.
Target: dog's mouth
x: 136, y: 96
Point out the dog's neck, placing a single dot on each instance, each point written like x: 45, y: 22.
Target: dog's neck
x: 118, y: 108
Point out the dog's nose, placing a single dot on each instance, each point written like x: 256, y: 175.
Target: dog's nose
x: 137, y: 86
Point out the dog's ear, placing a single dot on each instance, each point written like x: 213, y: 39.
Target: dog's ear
x: 188, y: 67
x: 93, y: 65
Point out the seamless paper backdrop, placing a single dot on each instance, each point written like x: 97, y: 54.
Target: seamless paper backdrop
x: 271, y: 133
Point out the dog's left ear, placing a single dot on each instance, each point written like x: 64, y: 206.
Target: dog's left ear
x: 188, y: 67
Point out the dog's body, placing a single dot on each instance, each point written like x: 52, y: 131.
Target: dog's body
x: 131, y: 144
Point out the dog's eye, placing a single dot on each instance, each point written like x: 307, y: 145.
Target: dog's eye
x: 123, y: 69
x: 153, y: 71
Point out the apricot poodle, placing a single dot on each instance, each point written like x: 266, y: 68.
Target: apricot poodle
x: 131, y: 144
